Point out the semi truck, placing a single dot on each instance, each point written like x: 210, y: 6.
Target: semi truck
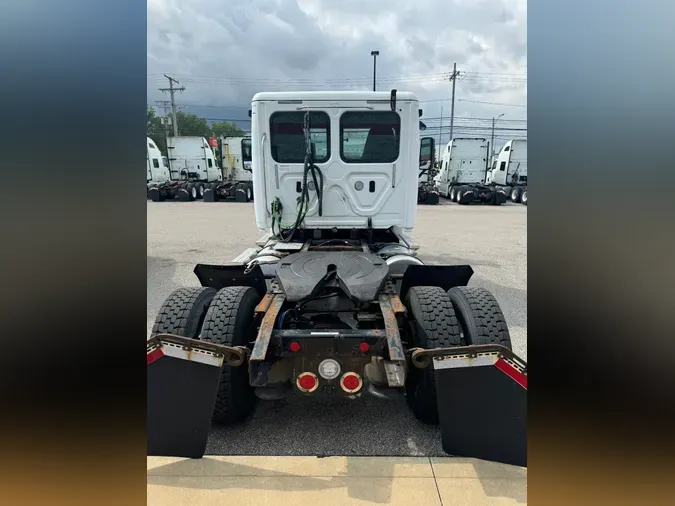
x: 427, y: 191
x: 157, y: 171
x: 235, y: 159
x: 509, y: 170
x: 333, y: 300
x: 463, y: 172
x: 192, y: 165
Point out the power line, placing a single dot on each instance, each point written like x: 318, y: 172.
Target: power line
x: 490, y: 103
x: 440, y: 75
x: 488, y: 128
x: 473, y: 119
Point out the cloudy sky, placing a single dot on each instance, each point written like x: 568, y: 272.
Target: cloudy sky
x: 223, y: 52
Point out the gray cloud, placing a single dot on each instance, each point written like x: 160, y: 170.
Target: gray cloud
x: 224, y: 52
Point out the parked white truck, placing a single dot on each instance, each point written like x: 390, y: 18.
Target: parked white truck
x: 157, y: 170
x: 235, y: 160
x: 427, y: 191
x: 509, y: 170
x: 192, y: 165
x: 462, y: 175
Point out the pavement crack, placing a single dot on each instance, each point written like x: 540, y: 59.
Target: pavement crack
x: 438, y: 491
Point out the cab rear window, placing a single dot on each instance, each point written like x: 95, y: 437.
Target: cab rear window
x: 287, y: 137
x: 246, y: 150
x: 370, y: 136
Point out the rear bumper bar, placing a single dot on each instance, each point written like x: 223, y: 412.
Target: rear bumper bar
x: 481, y: 395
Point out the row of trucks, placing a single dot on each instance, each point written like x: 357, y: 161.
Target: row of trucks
x: 193, y: 171
x: 468, y: 175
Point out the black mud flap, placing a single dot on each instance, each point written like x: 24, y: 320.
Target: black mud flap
x: 445, y: 276
x: 482, y: 403
x: 220, y: 276
x: 182, y: 382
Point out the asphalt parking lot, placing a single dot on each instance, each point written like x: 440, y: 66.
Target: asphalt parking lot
x: 493, y: 240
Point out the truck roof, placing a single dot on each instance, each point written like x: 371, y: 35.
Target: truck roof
x: 332, y: 95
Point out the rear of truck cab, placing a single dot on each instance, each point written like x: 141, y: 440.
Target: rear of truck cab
x: 368, y: 155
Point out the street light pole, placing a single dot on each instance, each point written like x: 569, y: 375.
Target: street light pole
x: 374, y: 54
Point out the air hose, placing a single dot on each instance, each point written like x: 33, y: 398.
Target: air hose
x: 286, y: 234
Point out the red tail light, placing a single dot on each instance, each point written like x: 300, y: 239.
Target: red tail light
x: 307, y: 382
x: 351, y: 382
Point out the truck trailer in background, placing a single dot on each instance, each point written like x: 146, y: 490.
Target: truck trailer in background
x: 427, y: 192
x: 509, y: 170
x: 192, y: 166
x: 462, y: 174
x: 235, y: 160
x: 157, y: 170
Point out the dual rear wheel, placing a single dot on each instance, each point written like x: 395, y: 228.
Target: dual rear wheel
x: 223, y: 317
x: 437, y: 319
x: 461, y: 316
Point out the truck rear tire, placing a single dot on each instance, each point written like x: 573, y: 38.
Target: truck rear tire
x: 229, y: 321
x: 461, y: 199
x: 499, y: 197
x: 523, y: 197
x: 192, y: 191
x: 249, y: 192
x: 184, y: 193
x: 433, y: 324
x: 210, y: 193
x: 515, y: 194
x: 240, y: 194
x: 200, y: 190
x: 479, y: 315
x: 431, y: 198
x: 155, y: 195
x: 453, y: 194
x: 183, y: 311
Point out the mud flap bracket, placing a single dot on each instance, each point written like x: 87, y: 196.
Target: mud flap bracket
x: 395, y: 366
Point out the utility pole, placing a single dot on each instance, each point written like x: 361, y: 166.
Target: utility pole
x: 452, y: 106
x: 164, y: 104
x: 492, y: 142
x: 374, y: 54
x: 171, y: 90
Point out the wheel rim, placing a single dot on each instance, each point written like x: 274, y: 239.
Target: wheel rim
x: 524, y: 197
x: 201, y: 191
x: 194, y: 192
x: 514, y: 195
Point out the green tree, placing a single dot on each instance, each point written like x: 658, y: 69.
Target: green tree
x: 156, y: 130
x: 190, y: 124
x: 223, y: 128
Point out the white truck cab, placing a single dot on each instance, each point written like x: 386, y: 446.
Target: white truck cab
x: 510, y: 167
x: 192, y: 158
x: 157, y: 165
x: 236, y: 158
x: 190, y: 166
x: 366, y: 147
x: 463, y: 162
